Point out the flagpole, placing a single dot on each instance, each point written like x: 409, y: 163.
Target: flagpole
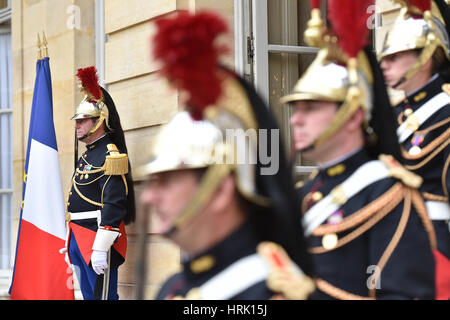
x: 45, y: 43
x: 39, y: 50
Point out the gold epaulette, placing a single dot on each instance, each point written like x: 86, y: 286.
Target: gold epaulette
x: 299, y: 184
x: 285, y: 277
x: 446, y: 88
x: 116, y: 163
x: 396, y: 170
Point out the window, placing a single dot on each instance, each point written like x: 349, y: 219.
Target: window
x: 5, y: 11
x: 6, y: 171
x: 281, y: 56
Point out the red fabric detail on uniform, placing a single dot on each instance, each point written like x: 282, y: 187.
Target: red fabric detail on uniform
x: 442, y: 276
x: 85, y: 239
x: 277, y: 259
x: 121, y: 245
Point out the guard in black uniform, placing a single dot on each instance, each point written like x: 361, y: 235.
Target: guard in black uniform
x: 101, y: 198
x: 418, y: 65
x: 231, y: 213
x: 367, y: 226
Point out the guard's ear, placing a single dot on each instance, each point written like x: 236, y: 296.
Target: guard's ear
x: 224, y: 195
x: 356, y: 120
x: 427, y: 67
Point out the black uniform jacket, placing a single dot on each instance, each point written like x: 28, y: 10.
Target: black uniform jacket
x: 383, y: 248
x: 97, y: 191
x: 221, y: 268
x: 426, y: 151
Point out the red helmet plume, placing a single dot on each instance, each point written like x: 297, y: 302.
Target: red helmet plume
x: 349, y: 23
x: 422, y: 5
x: 185, y: 44
x: 89, y: 80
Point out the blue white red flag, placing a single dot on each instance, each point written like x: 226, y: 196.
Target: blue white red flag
x: 40, y: 271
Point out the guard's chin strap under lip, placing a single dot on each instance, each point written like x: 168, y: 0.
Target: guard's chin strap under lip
x: 85, y: 136
x: 170, y: 232
x: 306, y: 149
x: 408, y: 75
x: 175, y: 227
x: 424, y: 56
x: 402, y: 80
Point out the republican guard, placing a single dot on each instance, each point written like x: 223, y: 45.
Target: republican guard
x: 101, y: 197
x: 367, y: 226
x: 415, y: 60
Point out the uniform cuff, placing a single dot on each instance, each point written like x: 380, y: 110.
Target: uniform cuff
x: 104, y: 239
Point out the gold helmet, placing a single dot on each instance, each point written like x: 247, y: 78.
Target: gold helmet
x: 223, y: 139
x: 328, y: 79
x: 92, y: 105
x: 341, y: 72
x: 420, y: 25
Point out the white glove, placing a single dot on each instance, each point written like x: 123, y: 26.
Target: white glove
x: 99, y: 261
x: 66, y: 256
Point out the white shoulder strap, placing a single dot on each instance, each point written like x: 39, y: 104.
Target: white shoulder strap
x: 239, y: 276
x: 364, y: 176
x: 422, y: 114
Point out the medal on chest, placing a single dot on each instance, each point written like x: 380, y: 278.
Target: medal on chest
x: 329, y: 241
x: 416, y: 141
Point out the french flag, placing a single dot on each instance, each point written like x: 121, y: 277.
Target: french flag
x: 40, y: 272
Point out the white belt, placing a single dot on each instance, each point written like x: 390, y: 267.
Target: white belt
x: 83, y: 215
x: 438, y: 210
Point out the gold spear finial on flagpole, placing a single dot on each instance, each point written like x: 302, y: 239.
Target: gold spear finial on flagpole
x: 39, y: 45
x: 45, y: 43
